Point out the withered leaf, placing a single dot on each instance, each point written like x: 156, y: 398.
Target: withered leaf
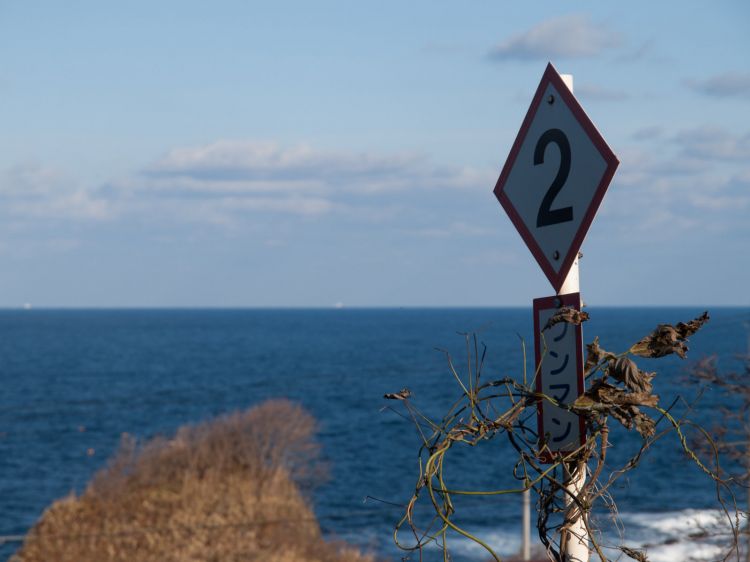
x: 662, y: 341
x: 631, y: 416
x: 635, y: 554
x: 641, y: 398
x: 403, y: 394
x: 667, y: 339
x: 687, y: 330
x: 583, y: 402
x: 566, y: 314
x: 595, y: 355
x: 644, y: 424
x: 622, y: 416
x: 605, y: 393
x: 625, y: 370
x: 622, y: 405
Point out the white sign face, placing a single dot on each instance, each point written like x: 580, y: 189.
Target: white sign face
x: 555, y: 177
x: 559, y: 353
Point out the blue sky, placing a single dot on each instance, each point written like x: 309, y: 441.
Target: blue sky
x: 314, y: 153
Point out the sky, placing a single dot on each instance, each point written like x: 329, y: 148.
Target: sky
x: 319, y: 154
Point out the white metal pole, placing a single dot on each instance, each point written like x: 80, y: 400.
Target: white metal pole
x: 575, y: 538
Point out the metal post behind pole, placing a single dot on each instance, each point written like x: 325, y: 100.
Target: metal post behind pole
x: 747, y: 506
x: 526, y: 526
x: 576, y: 543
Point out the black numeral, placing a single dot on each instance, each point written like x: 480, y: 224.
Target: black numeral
x: 547, y: 215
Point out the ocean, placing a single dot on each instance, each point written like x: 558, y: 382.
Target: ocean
x: 74, y: 380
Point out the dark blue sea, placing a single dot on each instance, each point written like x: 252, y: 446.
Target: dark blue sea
x: 147, y: 372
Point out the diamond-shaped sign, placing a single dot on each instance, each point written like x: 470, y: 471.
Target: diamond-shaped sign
x: 555, y: 177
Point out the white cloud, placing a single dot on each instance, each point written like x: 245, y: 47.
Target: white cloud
x: 657, y: 172
x: 31, y: 180
x: 33, y: 191
x: 728, y: 84
x: 184, y: 184
x: 720, y: 202
x: 599, y: 93
x: 696, y: 184
x: 234, y: 168
x: 491, y: 257
x: 290, y: 205
x: 648, y: 133
x: 572, y: 36
x: 230, y: 177
x: 23, y: 247
x: 728, y: 196
x: 258, y: 160
x: 645, y: 51
x: 223, y: 182
x: 454, y: 229
x: 714, y: 143
x: 258, y: 166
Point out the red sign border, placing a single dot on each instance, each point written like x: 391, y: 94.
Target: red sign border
x: 551, y: 76
x: 572, y: 300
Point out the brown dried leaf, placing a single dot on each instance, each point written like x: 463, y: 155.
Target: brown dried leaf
x: 631, y: 416
x: 605, y: 393
x: 638, y: 555
x: 595, y: 355
x: 622, y: 416
x: 621, y: 405
x: 667, y: 339
x: 662, y: 341
x: 706, y: 371
x: 641, y: 399
x: 643, y: 424
x: 625, y: 370
x: 566, y: 314
x: 687, y: 330
x: 584, y: 402
x: 402, y: 395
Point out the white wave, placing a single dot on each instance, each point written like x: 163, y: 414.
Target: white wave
x: 684, y: 551
x: 503, y: 543
x: 689, y: 534
x: 679, y: 522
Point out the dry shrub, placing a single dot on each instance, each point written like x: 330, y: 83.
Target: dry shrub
x: 228, y: 489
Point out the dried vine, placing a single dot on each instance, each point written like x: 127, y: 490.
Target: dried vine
x: 617, y: 389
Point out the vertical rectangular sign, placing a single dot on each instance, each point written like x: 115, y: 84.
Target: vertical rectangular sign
x: 559, y: 368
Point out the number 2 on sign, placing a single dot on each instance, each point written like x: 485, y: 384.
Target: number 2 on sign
x: 548, y: 216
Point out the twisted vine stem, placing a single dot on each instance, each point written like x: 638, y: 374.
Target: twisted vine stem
x: 484, y: 410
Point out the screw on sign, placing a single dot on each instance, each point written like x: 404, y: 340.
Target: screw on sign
x: 555, y: 177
